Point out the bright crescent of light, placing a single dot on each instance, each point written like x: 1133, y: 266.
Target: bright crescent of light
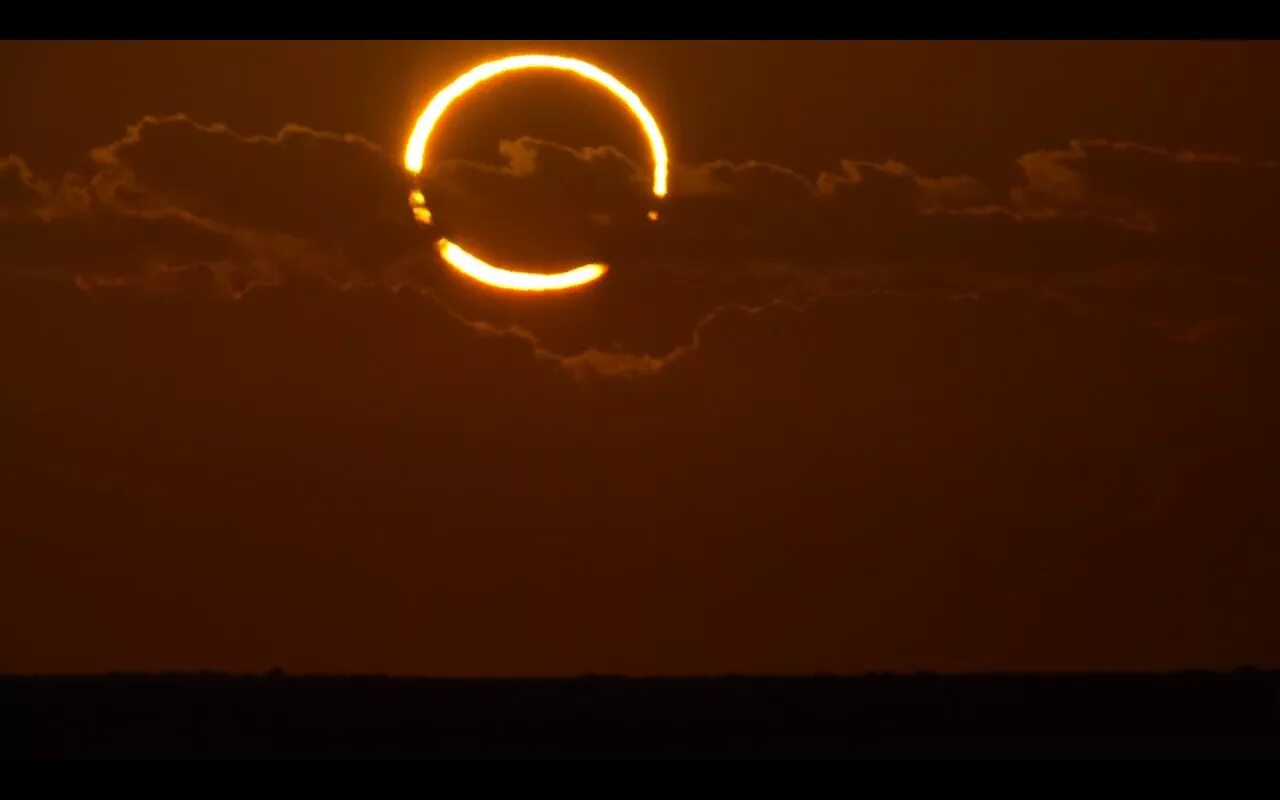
x: 415, y: 153
x: 468, y: 264
x: 415, y: 157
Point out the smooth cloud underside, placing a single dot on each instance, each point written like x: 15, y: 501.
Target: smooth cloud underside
x: 1182, y: 239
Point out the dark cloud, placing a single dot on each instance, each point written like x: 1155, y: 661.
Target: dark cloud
x: 20, y: 190
x: 1212, y: 211
x: 546, y: 205
x: 304, y: 200
x: 1180, y: 239
x: 300, y: 181
x: 96, y: 244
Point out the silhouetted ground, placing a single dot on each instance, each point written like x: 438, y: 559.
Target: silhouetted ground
x: 1182, y: 715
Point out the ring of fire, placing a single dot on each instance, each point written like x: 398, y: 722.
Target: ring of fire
x: 415, y: 159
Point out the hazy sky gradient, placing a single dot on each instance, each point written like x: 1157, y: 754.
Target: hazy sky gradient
x: 945, y: 356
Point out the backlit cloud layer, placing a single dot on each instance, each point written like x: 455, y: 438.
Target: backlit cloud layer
x: 1095, y: 221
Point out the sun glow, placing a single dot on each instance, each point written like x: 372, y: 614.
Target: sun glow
x: 473, y: 267
x: 415, y: 159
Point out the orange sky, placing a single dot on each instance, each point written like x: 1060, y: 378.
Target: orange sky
x: 941, y: 356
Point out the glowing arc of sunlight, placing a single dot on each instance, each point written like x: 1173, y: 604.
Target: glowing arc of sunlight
x: 473, y: 267
x: 415, y: 159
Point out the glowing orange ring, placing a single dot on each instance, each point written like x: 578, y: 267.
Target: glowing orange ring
x: 415, y: 157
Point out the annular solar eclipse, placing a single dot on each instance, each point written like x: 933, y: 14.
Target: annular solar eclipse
x: 416, y: 156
